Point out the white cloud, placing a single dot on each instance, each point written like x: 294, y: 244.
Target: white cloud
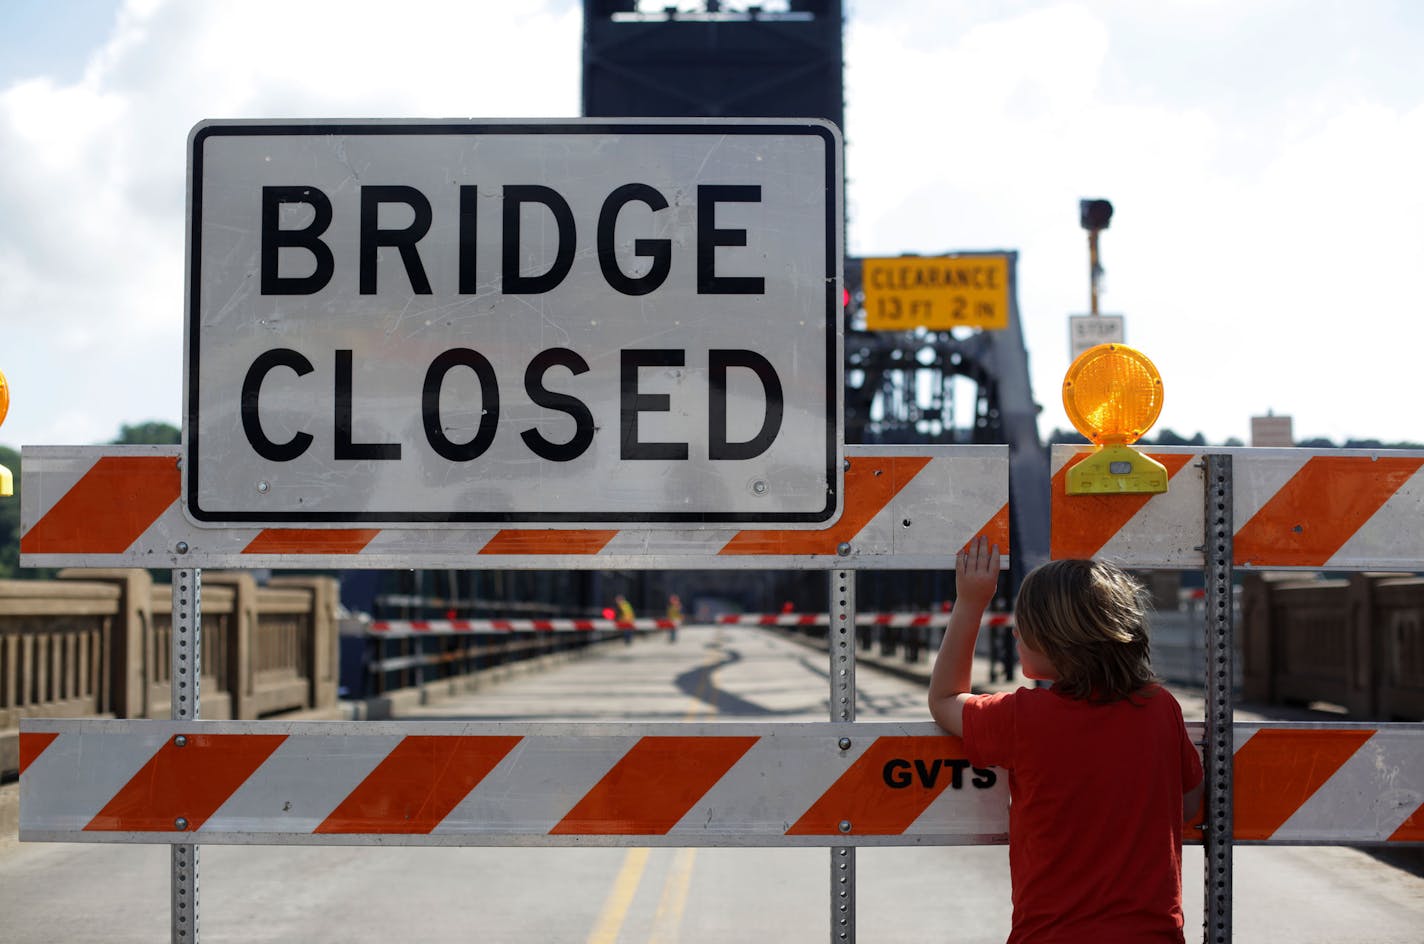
x: 1261, y: 239
x: 1265, y: 174
x: 91, y: 251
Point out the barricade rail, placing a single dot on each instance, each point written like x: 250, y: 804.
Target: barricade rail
x: 392, y: 628
x: 935, y: 620
x: 500, y: 627
x: 904, y: 508
x: 400, y: 654
x: 669, y: 784
x: 912, y: 634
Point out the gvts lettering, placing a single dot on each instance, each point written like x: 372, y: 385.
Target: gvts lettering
x: 900, y: 773
x: 565, y: 363
x: 405, y: 240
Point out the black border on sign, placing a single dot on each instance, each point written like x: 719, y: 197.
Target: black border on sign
x: 833, y: 313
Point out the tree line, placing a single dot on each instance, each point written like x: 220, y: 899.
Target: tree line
x: 1168, y: 437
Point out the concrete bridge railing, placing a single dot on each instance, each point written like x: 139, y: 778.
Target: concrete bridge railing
x: 96, y: 643
x: 1355, y: 641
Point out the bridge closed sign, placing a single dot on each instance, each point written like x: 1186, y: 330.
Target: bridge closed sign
x: 521, y: 323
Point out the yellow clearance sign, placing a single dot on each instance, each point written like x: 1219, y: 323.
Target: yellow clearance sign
x: 936, y: 292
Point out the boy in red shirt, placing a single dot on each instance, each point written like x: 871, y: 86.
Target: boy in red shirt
x: 1102, y: 774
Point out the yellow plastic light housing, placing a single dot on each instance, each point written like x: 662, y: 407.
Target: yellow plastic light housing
x: 1113, y: 394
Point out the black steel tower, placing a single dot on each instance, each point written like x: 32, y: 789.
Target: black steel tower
x: 750, y: 60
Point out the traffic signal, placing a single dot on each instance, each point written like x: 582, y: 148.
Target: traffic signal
x: 1094, y: 214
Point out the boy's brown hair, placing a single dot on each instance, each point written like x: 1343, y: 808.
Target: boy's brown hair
x: 1089, y: 619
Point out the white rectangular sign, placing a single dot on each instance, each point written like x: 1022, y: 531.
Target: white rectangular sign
x: 1085, y: 331
x: 548, y: 324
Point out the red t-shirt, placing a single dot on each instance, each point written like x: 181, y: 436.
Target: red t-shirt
x: 1095, y: 814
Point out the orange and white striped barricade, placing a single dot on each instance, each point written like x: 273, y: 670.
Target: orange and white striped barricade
x: 897, y: 620
x: 905, y: 507
x: 733, y: 784
x: 399, y: 629
x: 418, y: 658
x: 902, y: 507
x: 1269, y: 508
x: 451, y: 783
x: 1329, y: 784
x: 1322, y: 509
x: 932, y: 620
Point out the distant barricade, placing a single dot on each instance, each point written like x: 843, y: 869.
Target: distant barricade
x: 914, y: 633
x: 394, y: 628
x: 937, y: 619
x: 380, y: 657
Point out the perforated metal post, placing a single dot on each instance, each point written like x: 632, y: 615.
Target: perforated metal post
x: 1217, y: 827
x: 186, y: 667
x: 840, y: 642
x: 841, y: 639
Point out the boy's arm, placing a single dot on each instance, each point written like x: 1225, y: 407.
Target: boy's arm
x: 976, y: 578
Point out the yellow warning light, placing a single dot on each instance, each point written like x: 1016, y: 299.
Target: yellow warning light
x: 1113, y: 395
x: 7, y: 481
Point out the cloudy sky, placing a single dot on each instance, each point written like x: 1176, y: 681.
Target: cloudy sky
x: 1265, y: 158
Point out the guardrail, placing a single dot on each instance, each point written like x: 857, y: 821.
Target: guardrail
x: 1178, y: 637
x: 915, y: 634
x: 383, y: 656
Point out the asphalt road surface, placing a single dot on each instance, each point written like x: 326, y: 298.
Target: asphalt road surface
x: 118, y: 893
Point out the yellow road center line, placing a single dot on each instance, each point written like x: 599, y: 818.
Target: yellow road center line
x: 673, y: 900
x: 615, y: 909
x: 668, y: 919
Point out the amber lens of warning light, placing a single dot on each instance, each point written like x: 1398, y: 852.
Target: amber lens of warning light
x: 7, y: 480
x: 1113, y: 394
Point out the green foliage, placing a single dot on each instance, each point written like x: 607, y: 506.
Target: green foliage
x: 152, y: 432
x: 1169, y: 438
x: 1067, y: 436
x: 10, y: 568
x: 10, y: 518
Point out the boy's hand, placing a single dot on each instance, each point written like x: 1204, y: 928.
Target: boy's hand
x: 976, y: 578
x: 976, y: 573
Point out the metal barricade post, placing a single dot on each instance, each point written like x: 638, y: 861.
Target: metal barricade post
x: 840, y: 645
x: 1218, y: 746
x: 187, y: 654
